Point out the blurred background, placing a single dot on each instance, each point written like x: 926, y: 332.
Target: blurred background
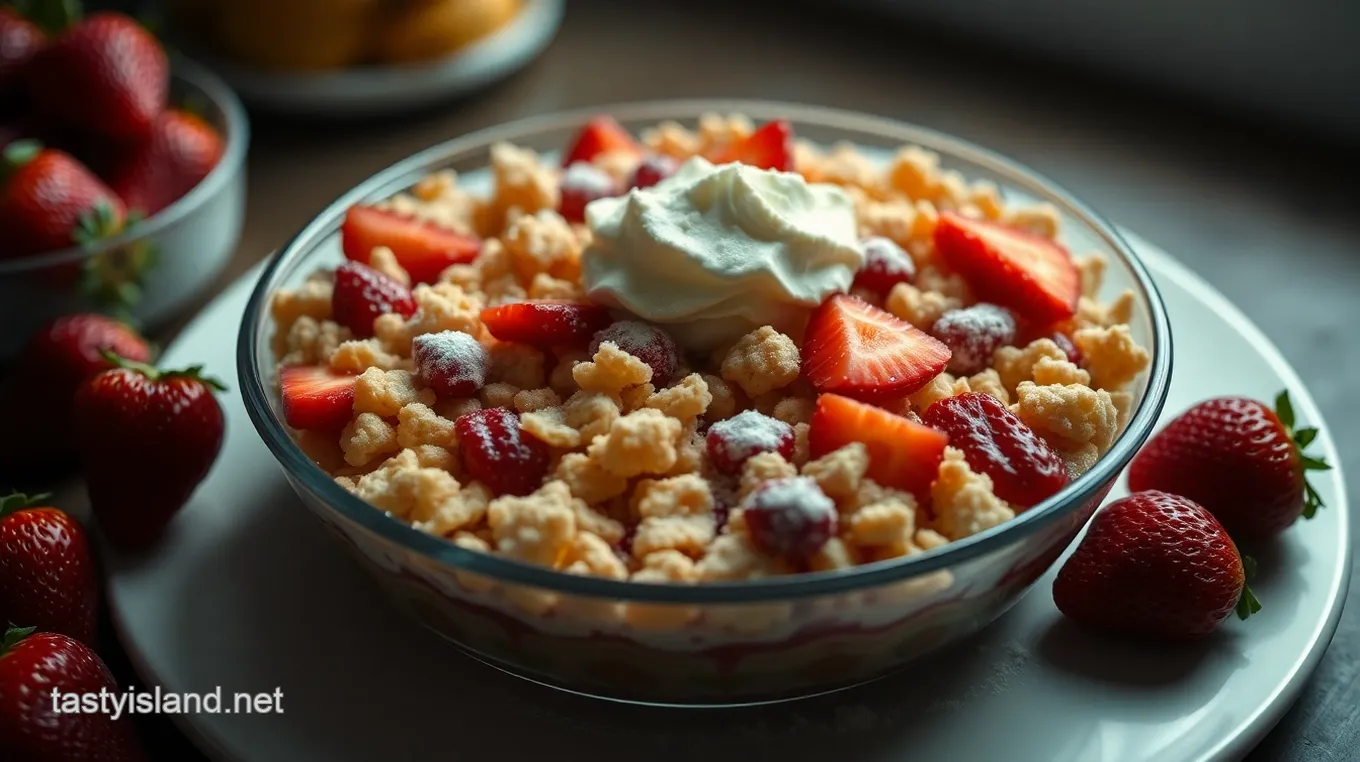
x: 1217, y: 129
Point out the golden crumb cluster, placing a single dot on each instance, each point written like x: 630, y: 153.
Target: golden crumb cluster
x: 630, y: 490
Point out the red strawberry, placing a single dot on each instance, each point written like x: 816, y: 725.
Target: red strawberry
x: 770, y: 147
x: 733, y: 441
x: 107, y: 74
x: 499, y: 454
x: 20, y: 41
x: 180, y: 151
x: 652, y: 170
x: 316, y: 399
x: 1023, y: 468
x: 902, y: 454
x: 451, y: 363
x: 362, y: 294
x: 32, y: 666
x: 47, y: 575
x: 790, y: 517
x: 600, y: 135
x: 644, y: 341
x: 49, y: 370
x: 582, y: 184
x: 885, y: 265
x: 1237, y: 458
x: 858, y: 350
x: 423, y: 249
x: 547, y: 323
x: 1031, y: 275
x: 147, y: 438
x: 49, y: 201
x: 1156, y: 565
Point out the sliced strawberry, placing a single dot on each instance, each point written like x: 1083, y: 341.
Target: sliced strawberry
x: 546, y: 324
x: 1031, y: 275
x: 770, y: 147
x: 856, y: 349
x: 423, y: 249
x: 902, y: 454
x: 600, y: 135
x: 315, y: 398
x: 362, y: 294
x: 1024, y: 468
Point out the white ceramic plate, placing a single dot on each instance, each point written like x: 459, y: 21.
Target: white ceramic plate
x: 249, y: 593
x: 370, y: 90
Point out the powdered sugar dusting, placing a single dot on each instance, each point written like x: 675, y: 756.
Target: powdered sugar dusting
x: 885, y: 254
x: 973, y: 334
x: 450, y: 361
x: 645, y: 342
x: 586, y: 177
x: 798, y: 494
x: 632, y: 335
x: 749, y: 433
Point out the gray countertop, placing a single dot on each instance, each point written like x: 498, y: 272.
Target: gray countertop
x: 1265, y: 217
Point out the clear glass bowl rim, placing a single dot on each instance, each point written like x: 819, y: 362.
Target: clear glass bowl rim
x: 400, y: 176
x: 233, y: 158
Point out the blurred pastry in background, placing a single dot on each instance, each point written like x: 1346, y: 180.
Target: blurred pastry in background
x: 327, y: 35
x: 431, y: 29
x: 296, y: 34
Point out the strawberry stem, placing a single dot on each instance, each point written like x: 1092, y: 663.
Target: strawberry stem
x: 13, y: 635
x: 195, y: 372
x: 53, y: 16
x: 1284, y: 410
x: 15, y: 156
x: 18, y: 501
x: 99, y: 222
x: 1247, y: 604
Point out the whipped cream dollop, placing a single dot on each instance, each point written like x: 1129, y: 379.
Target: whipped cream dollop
x: 716, y: 251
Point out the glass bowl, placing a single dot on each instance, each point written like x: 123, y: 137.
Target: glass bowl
x: 161, y: 264
x: 719, y: 643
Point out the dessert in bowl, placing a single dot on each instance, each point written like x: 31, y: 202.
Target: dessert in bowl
x: 705, y: 416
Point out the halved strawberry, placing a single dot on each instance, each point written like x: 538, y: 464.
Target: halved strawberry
x: 1031, y: 275
x: 600, y: 135
x: 770, y: 147
x: 423, y: 249
x: 315, y: 398
x: 854, y: 348
x: 902, y: 454
x: 546, y: 323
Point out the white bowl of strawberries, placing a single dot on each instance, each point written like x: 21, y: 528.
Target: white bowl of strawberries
x: 122, y: 183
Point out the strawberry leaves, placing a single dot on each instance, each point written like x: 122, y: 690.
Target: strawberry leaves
x: 13, y: 635
x: 1248, y: 604
x: 18, y: 501
x: 194, y: 372
x: 1284, y: 410
x: 52, y: 16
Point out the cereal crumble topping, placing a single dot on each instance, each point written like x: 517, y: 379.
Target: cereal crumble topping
x: 651, y: 464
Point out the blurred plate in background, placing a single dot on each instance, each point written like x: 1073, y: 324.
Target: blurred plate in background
x: 369, y: 90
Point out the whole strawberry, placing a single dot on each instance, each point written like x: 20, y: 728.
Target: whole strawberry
x: 146, y: 439
x: 20, y: 41
x: 50, y: 201
x: 32, y: 668
x: 38, y: 394
x: 1239, y: 459
x: 106, y: 74
x: 47, y: 576
x: 180, y: 151
x: 1157, y: 565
